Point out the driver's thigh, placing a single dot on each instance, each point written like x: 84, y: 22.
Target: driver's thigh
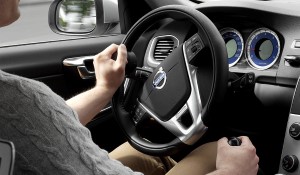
x: 137, y: 161
x: 199, y: 162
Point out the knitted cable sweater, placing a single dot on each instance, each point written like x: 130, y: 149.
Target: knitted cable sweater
x: 47, y: 134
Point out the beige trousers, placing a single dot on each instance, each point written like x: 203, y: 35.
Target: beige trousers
x: 199, y: 162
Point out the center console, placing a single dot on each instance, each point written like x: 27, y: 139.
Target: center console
x: 289, y: 164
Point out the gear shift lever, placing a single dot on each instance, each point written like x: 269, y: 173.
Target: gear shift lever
x: 234, y: 141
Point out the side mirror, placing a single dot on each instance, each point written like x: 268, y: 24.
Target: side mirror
x: 83, y: 17
x: 76, y: 16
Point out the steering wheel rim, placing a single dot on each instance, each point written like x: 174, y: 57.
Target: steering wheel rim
x: 211, y: 38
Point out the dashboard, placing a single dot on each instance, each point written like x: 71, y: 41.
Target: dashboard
x: 267, y: 34
x: 261, y: 39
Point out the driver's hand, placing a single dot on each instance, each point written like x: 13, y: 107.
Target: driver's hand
x: 237, y: 159
x: 110, y: 73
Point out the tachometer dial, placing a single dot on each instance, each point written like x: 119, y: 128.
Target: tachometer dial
x: 234, y: 44
x: 263, y: 48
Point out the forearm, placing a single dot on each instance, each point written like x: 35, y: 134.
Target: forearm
x: 109, y: 76
x: 88, y: 104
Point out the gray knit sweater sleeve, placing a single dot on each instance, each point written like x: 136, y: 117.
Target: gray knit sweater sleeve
x: 47, y: 134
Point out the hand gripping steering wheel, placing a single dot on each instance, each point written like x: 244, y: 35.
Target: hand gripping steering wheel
x: 172, y: 89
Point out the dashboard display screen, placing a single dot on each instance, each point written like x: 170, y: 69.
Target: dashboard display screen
x: 234, y: 44
x: 231, y: 47
x: 265, y: 49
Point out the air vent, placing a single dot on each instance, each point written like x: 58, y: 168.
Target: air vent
x: 163, y: 48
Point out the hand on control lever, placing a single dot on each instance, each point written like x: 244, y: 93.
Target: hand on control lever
x: 131, y: 62
x: 236, y: 159
x: 131, y: 69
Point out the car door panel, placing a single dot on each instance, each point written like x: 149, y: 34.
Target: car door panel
x: 44, y: 62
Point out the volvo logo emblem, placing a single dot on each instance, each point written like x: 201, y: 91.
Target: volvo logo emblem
x: 160, y: 79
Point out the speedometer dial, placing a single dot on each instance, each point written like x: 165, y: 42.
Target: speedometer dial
x: 263, y: 48
x: 234, y: 44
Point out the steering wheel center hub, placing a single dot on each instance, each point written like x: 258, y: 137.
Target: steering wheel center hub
x: 160, y: 79
x: 168, y: 88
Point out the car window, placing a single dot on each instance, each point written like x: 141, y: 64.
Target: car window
x: 32, y: 26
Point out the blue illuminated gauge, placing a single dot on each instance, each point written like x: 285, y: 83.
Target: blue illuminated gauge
x: 234, y: 44
x: 263, y: 48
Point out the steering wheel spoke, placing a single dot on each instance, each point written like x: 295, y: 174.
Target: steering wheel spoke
x: 174, y: 125
x: 183, y: 130
x: 193, y: 47
x: 139, y: 114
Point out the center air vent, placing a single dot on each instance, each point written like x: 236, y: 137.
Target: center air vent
x: 163, y: 48
x: 159, y: 48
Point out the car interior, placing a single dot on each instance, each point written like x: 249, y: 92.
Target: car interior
x: 197, y: 70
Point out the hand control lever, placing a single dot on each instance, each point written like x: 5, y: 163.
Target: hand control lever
x: 131, y: 70
x: 131, y: 62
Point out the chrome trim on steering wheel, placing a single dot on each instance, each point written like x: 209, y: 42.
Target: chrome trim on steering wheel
x: 149, y: 59
x: 191, y: 134
x: 194, y: 103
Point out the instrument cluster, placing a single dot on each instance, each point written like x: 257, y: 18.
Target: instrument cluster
x: 261, y: 49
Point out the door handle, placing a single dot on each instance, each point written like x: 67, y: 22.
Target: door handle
x: 84, y: 73
x: 79, y: 63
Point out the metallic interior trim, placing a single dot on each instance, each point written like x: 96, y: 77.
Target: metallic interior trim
x: 78, y: 62
x: 247, y: 48
x: 290, y: 146
x: 149, y: 59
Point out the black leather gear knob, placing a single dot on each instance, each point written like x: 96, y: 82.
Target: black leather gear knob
x: 234, y: 141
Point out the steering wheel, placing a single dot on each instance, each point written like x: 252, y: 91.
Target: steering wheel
x: 172, y: 92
